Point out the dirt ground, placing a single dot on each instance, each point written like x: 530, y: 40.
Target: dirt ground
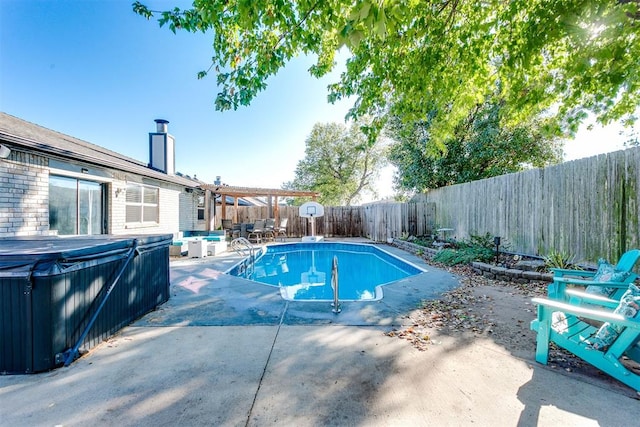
x: 501, y: 311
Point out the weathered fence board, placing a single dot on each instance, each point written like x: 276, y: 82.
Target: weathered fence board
x: 375, y: 221
x: 587, y: 207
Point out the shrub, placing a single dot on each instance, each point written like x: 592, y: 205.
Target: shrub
x: 485, y: 241
x: 477, y: 248
x: 422, y: 242
x: 559, y: 259
x: 464, y: 255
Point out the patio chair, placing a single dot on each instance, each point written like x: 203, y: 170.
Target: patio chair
x: 227, y: 226
x: 610, y: 282
x: 281, y: 230
x: 236, y: 231
x: 612, y: 347
x: 269, y: 229
x: 255, y: 235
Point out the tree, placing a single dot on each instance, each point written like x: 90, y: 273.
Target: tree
x: 563, y: 58
x: 340, y: 163
x: 481, y: 148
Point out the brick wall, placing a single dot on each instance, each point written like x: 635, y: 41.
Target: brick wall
x: 24, y: 201
x: 188, y: 210
x: 24, y: 195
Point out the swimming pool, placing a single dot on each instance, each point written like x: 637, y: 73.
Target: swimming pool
x: 302, y: 271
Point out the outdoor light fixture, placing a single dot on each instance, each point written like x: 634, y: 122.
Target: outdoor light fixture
x: 4, y: 151
x: 496, y: 241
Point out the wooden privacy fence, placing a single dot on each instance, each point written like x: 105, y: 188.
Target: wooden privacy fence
x: 378, y: 221
x: 386, y: 220
x: 587, y: 207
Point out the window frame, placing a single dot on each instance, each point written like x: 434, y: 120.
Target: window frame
x: 200, y: 208
x: 77, y: 187
x: 143, y: 203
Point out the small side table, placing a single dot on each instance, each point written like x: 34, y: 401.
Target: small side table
x: 198, y: 248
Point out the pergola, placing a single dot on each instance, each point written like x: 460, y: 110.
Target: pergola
x: 239, y: 192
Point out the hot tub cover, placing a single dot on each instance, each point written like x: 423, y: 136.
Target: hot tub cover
x: 50, y: 255
x: 63, y: 295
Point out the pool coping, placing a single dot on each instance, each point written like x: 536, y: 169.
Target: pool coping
x: 202, y: 295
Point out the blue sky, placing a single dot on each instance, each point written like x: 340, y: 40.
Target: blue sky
x: 94, y: 70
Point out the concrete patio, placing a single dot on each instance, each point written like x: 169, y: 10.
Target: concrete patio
x: 227, y: 352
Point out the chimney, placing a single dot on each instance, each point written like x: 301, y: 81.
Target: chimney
x: 162, y: 126
x: 162, y: 148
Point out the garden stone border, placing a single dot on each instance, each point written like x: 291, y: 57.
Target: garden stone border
x: 510, y: 274
x: 487, y: 270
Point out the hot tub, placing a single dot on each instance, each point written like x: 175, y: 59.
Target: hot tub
x: 61, y: 296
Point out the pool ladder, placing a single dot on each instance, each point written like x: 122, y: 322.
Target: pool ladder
x: 334, y: 284
x: 243, y: 247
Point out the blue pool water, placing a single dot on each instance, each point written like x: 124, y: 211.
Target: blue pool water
x: 302, y: 271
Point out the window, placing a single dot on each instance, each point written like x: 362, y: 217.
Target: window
x: 75, y: 206
x: 142, y: 204
x: 200, y: 208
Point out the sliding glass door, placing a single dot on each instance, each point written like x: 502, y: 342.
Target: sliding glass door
x: 76, y: 206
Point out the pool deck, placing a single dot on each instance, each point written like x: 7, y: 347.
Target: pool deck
x: 202, y: 296
x: 227, y: 352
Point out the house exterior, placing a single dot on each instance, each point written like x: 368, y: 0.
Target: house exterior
x: 55, y: 184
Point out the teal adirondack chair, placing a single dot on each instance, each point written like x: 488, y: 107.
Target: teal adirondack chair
x: 566, y: 325
x: 581, y: 279
x: 570, y: 317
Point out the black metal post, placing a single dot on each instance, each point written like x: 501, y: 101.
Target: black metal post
x: 496, y: 241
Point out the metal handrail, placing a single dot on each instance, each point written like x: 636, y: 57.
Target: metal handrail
x: 243, y: 247
x: 334, y: 284
x: 240, y: 245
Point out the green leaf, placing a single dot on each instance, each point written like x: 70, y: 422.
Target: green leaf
x: 364, y: 10
x: 541, y: 59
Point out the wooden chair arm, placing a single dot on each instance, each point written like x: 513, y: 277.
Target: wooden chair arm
x: 561, y: 272
x: 590, y: 298
x: 571, y: 281
x: 590, y: 313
